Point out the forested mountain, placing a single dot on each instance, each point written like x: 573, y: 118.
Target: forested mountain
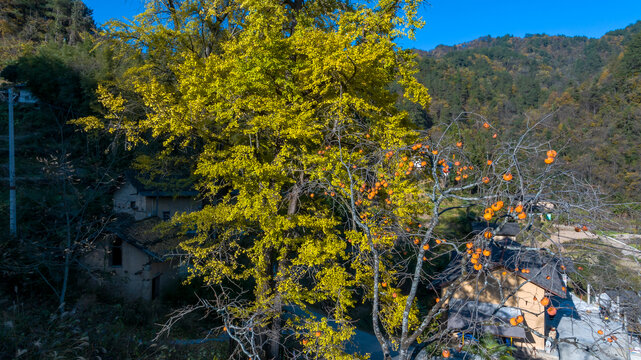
x: 25, y: 23
x: 589, y: 85
x: 48, y: 47
x: 49, y: 20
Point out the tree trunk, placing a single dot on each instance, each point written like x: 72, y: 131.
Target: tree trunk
x: 276, y: 328
x: 402, y: 355
x: 274, y: 333
x: 65, y: 277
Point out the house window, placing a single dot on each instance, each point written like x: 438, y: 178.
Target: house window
x: 165, y: 215
x: 155, y: 287
x: 116, y: 253
x: 132, y: 205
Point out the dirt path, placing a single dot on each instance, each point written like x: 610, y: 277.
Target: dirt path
x: 631, y: 256
x: 565, y: 234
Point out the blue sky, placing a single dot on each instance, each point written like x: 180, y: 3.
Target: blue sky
x: 451, y: 22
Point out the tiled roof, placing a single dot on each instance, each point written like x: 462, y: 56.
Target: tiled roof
x: 153, y: 236
x: 508, y: 229
x: 183, y: 189
x: 626, y: 301
x: 481, y: 317
x: 541, y: 268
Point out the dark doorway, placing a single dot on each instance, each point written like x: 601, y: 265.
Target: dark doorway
x: 116, y: 253
x: 155, y: 287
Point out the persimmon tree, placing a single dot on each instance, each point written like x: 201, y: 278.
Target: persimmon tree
x: 397, y: 200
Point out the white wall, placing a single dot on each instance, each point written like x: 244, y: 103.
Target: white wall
x: 122, y: 202
x: 150, y: 206
x: 133, y: 279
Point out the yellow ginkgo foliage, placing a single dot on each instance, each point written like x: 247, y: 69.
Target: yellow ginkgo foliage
x: 280, y: 102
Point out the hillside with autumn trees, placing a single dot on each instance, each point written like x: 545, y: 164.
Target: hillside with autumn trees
x: 331, y: 194
x: 590, y: 85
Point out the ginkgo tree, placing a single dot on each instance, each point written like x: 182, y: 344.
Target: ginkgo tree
x: 320, y: 195
x: 267, y: 103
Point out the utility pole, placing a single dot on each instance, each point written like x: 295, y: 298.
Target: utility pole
x: 12, y: 171
x: 588, y: 293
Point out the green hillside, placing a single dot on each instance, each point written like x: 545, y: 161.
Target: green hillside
x: 590, y: 86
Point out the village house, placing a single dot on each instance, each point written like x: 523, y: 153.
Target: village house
x: 135, y: 259
x: 137, y: 255
x: 514, y: 281
x: 143, y: 201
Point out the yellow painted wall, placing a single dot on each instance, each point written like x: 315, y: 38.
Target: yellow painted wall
x: 498, y: 286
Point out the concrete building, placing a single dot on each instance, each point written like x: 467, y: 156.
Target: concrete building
x: 579, y: 323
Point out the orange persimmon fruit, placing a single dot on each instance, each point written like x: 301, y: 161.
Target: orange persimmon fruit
x: 545, y: 301
x: 551, y: 311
